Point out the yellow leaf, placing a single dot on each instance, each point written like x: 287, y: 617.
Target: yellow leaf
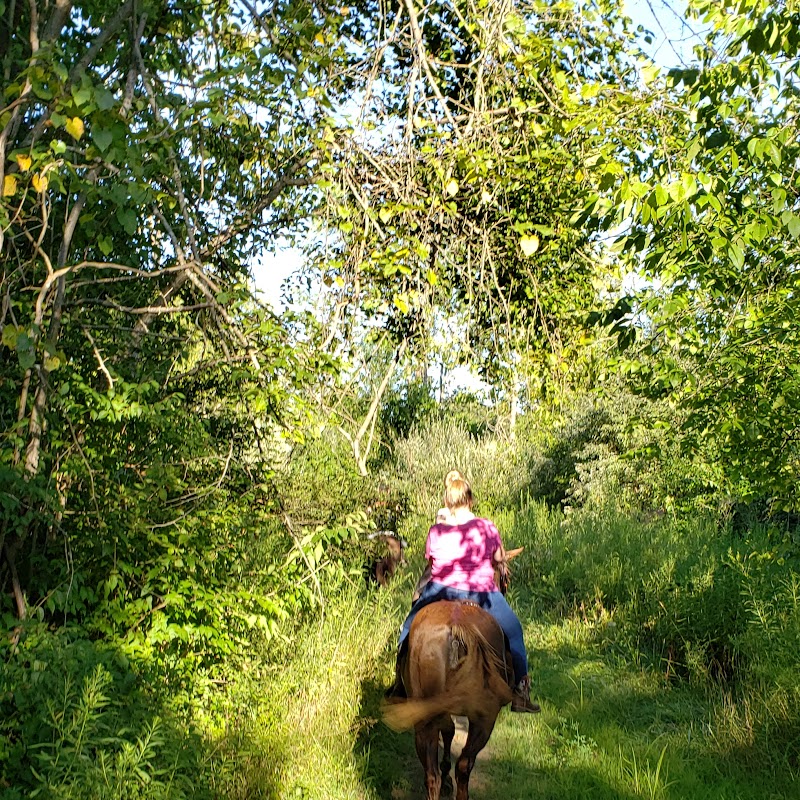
x: 650, y: 73
x: 39, y: 182
x: 385, y: 214
x: 401, y: 301
x: 452, y: 188
x: 529, y: 244
x: 75, y: 127
x: 578, y: 176
x: 9, y: 185
x: 24, y: 162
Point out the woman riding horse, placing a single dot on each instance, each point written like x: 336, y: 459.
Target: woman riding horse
x: 462, y: 553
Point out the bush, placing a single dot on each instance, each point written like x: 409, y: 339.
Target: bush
x: 320, y: 482
x: 700, y: 602
x: 615, y: 449
x: 78, y: 723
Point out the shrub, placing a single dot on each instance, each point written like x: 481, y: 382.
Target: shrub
x: 78, y: 723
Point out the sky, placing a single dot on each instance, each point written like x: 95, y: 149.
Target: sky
x: 673, y: 37
x: 673, y: 40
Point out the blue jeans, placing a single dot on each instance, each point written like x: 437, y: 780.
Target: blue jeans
x: 493, y: 602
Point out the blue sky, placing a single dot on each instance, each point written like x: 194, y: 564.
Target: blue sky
x: 673, y: 36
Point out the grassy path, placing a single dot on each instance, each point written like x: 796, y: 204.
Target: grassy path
x: 611, y: 727
x: 608, y: 729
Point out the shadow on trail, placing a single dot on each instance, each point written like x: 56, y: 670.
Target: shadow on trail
x: 390, y: 761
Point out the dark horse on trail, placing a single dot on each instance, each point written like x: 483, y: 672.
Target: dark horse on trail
x: 457, y: 665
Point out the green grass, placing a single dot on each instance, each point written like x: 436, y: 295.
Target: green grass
x: 300, y: 717
x: 607, y: 730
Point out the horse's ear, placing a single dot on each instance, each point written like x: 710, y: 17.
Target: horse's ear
x: 513, y: 553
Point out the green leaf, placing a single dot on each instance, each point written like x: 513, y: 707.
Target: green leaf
x: 103, y: 98
x: 736, y: 255
x: 82, y: 96
x: 25, y: 352
x: 10, y: 334
x: 102, y: 138
x: 127, y: 218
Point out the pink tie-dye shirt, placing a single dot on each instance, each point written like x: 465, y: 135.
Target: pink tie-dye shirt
x: 462, y: 554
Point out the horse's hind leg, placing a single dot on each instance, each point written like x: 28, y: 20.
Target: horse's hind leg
x: 427, y: 741
x: 448, y: 729
x: 480, y: 729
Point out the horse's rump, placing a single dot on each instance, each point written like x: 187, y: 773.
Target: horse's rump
x: 456, y: 665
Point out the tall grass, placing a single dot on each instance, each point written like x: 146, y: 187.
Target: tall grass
x: 494, y: 465
x: 308, y: 708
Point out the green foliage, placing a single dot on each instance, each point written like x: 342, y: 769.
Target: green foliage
x: 710, y: 223
x: 77, y: 723
x: 469, y: 219
x: 142, y: 388
x: 320, y: 482
x: 405, y: 408
x: 699, y: 601
x: 616, y: 449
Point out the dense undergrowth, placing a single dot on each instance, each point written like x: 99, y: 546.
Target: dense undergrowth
x: 664, y: 640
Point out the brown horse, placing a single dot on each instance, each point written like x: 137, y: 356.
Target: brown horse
x: 457, y: 664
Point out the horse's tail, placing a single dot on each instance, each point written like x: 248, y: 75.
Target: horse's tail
x: 495, y: 669
x: 487, y: 678
x: 401, y: 715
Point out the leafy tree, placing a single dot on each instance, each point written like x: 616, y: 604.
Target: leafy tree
x: 147, y: 148
x: 452, y: 189
x: 712, y: 223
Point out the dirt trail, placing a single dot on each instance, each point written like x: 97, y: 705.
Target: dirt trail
x: 478, y: 780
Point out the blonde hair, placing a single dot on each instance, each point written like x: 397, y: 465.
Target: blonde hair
x: 453, y: 475
x: 457, y: 494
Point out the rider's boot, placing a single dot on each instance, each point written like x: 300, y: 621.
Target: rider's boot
x: 521, y: 701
